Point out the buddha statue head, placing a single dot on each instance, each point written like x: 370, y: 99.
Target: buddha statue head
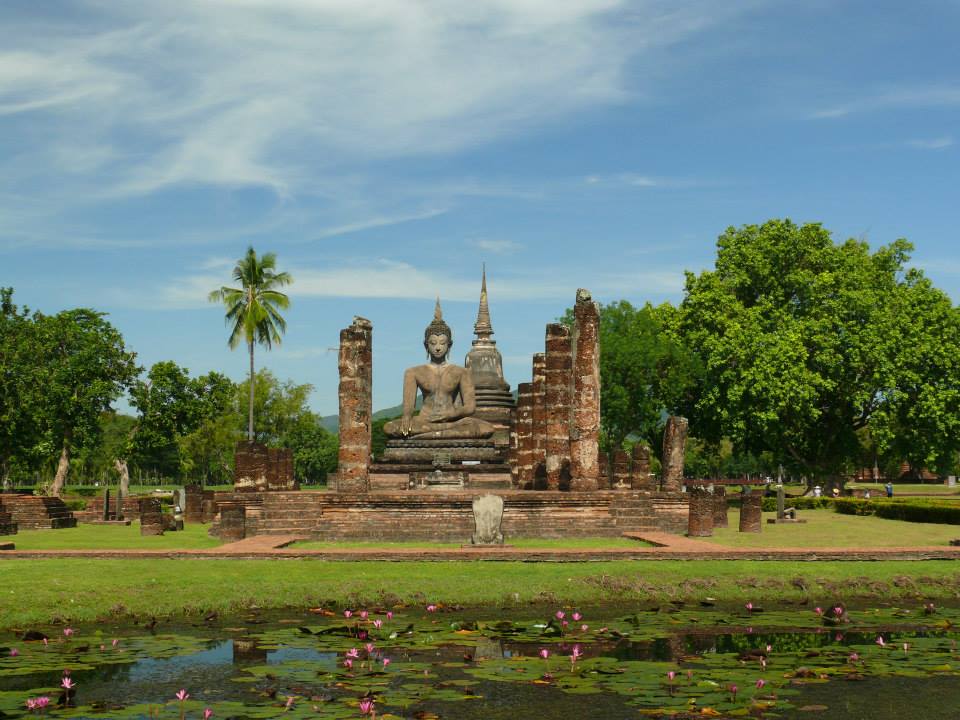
x: 438, y: 337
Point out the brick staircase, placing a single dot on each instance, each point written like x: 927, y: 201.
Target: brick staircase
x: 637, y: 511
x: 8, y: 525
x: 32, y: 512
x: 291, y: 513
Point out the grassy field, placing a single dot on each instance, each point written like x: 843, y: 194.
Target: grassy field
x: 84, y: 591
x: 112, y: 537
x: 826, y: 528
x: 532, y: 543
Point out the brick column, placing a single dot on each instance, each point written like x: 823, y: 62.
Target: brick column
x: 603, y: 462
x: 700, y: 516
x: 539, y: 416
x: 640, y: 472
x: 525, y: 439
x: 233, y: 520
x: 356, y: 406
x: 559, y: 365
x: 585, y: 403
x: 751, y: 514
x: 251, y: 461
x: 674, y: 443
x: 193, y: 503
x: 621, y: 470
x: 719, y: 506
x: 151, y: 517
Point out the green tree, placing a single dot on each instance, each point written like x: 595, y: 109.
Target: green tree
x: 314, y: 450
x: 804, y: 342
x: 167, y: 407
x: 85, y: 367
x: 253, y: 309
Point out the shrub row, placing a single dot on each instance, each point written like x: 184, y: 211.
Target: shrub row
x: 801, y: 503
x: 921, y: 511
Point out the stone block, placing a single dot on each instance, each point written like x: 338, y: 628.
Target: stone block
x: 487, y: 518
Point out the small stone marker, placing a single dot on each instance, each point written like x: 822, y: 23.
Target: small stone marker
x: 151, y: 517
x: 487, y: 516
x: 106, y: 503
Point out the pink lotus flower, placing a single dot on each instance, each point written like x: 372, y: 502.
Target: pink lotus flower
x: 348, y: 663
x: 14, y: 652
x: 366, y: 706
x: 837, y: 611
x: 544, y: 653
x: 733, y: 692
x: 207, y: 714
x: 290, y: 700
x: 363, y: 614
x: 353, y: 653
x: 763, y: 663
x: 42, y: 702
x: 389, y: 614
x: 584, y: 627
x: 46, y: 642
x: 67, y: 684
x: 671, y: 675
x: 115, y: 642
x: 182, y: 695
x: 362, y: 635
x: 378, y: 623
x: 67, y: 632
x: 369, y: 647
x: 880, y: 641
x: 431, y: 608
x: 854, y: 657
x: 760, y: 683
x: 386, y: 661
x: 769, y: 649
x: 906, y: 646
x: 565, y: 623
x: 575, y: 654
x: 749, y: 607
x: 561, y: 615
x: 31, y: 704
x: 348, y: 614
x: 576, y: 617
x: 818, y: 610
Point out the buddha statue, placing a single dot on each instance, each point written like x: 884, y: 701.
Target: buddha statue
x: 448, y: 394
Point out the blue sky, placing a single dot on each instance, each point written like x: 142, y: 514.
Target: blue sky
x: 385, y: 149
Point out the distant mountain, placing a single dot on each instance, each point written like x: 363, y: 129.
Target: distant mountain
x: 332, y: 422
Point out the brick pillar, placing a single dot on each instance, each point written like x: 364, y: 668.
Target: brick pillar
x: 251, y: 467
x: 525, y: 439
x: 674, y: 444
x: 356, y: 406
x: 751, y: 514
x: 233, y: 521
x: 559, y: 356
x: 193, y: 503
x: 719, y: 506
x: 585, y: 403
x: 603, y: 462
x: 539, y: 415
x: 151, y: 517
x: 621, y: 470
x: 640, y: 473
x: 700, y: 516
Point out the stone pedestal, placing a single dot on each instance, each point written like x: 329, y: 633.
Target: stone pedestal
x: 487, y: 517
x: 751, y: 511
x: 700, y: 517
x: 640, y: 478
x: 559, y: 365
x: 193, y: 503
x: 674, y: 445
x: 585, y: 407
x: 720, y: 506
x: 539, y: 379
x: 355, y: 363
x: 621, y: 470
x: 151, y: 517
x: 233, y: 519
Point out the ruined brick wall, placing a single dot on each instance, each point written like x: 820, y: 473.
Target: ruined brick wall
x: 151, y: 517
x: 674, y: 444
x: 557, y: 387
x: 526, y: 442
x: 250, y: 467
x: 640, y: 478
x: 621, y: 470
x: 700, y: 520
x: 603, y: 462
x: 539, y: 414
x: 280, y: 470
x: 751, y: 511
x: 585, y: 410
x: 356, y: 406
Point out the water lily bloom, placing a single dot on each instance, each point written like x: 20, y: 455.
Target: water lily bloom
x: 348, y: 613
x: 67, y: 684
x: 733, y: 692
x: 369, y: 647
x: 348, y: 663
x: 363, y: 614
x: 906, y: 646
x: 207, y: 713
x: 760, y: 683
x: 854, y: 657
x: 749, y: 607
x: 31, y: 704
x: 584, y: 627
x: 389, y: 614
x: 362, y: 635
x: 290, y: 701
x: 431, y: 608
x: 561, y: 614
x: 366, y: 706
x: 45, y: 641
x: 576, y: 617
x: 115, y: 642
x: 67, y: 632
x: 763, y: 663
x: 671, y: 675
x: 353, y: 653
x: 565, y: 623
x: 575, y: 653
x: 42, y: 702
x: 818, y: 610
x: 182, y: 695
x: 14, y: 652
x: 544, y: 653
x: 378, y: 623
x: 880, y: 641
x: 386, y: 661
x: 769, y: 649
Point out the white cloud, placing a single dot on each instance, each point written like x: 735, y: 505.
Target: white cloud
x: 498, y: 247
x: 938, y: 143
x: 920, y: 96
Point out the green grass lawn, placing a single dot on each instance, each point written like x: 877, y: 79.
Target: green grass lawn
x: 85, y: 590
x: 877, y: 490
x: 112, y: 537
x: 531, y: 543
x: 826, y: 528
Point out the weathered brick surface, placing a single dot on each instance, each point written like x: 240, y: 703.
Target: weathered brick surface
x: 232, y: 525
x: 8, y: 526
x: 700, y: 521
x: 603, y: 461
x: 526, y: 443
x: 585, y: 403
x: 751, y: 511
x: 640, y: 478
x: 621, y: 470
x: 558, y: 370
x: 94, y: 509
x: 356, y: 406
x: 151, y: 516
x: 539, y: 393
x: 720, y: 506
x: 674, y: 443
x: 34, y: 512
x: 258, y: 468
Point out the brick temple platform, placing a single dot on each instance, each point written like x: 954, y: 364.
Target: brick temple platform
x: 448, y: 516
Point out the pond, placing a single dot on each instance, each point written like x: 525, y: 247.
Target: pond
x: 435, y: 662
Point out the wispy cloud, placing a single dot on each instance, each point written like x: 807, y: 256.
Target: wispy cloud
x: 498, y: 247
x: 904, y: 97
x: 938, y: 143
x: 637, y: 180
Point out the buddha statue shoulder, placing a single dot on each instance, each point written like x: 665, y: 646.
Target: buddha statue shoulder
x: 448, y: 394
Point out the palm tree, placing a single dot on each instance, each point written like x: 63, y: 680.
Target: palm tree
x: 253, y: 309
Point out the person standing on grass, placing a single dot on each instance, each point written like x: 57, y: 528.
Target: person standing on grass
x: 889, y: 488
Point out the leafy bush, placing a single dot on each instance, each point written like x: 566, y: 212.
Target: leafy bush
x: 921, y: 511
x: 78, y: 504
x: 800, y: 503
